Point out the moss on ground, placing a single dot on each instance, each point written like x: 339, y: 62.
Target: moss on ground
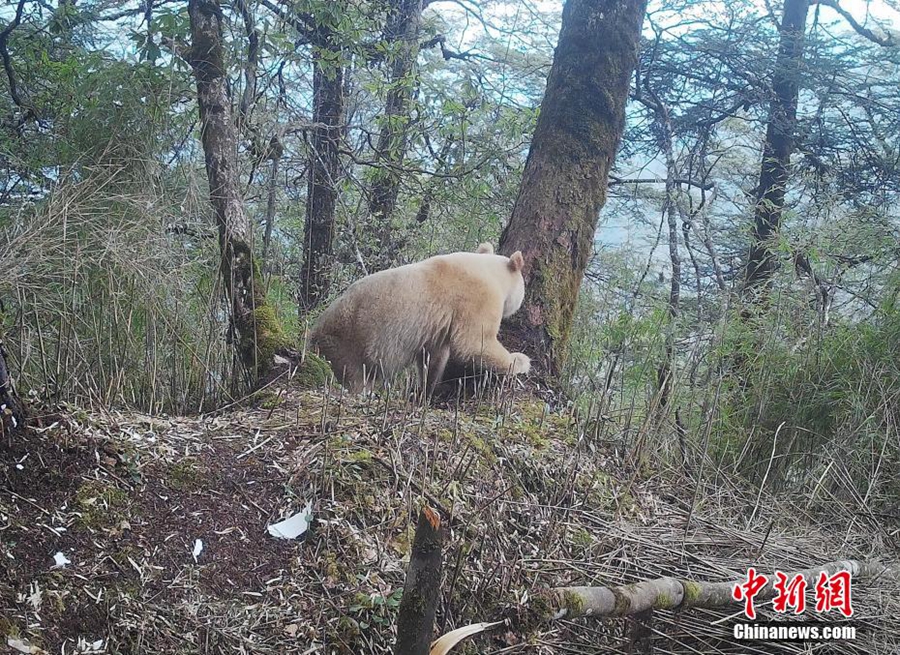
x: 187, y: 475
x: 101, y: 505
x: 313, y: 373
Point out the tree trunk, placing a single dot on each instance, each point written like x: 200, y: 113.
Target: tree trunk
x: 778, y: 147
x: 253, y: 319
x: 269, y: 222
x: 402, y: 29
x: 324, y: 170
x: 564, y: 184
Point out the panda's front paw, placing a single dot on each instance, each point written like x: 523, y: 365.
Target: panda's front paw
x: 521, y: 364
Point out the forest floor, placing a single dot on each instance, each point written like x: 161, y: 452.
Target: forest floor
x: 532, y: 498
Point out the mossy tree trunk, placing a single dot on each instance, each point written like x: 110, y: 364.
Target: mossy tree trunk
x: 255, y: 325
x: 779, y: 144
x: 402, y: 31
x: 324, y: 171
x: 564, y: 184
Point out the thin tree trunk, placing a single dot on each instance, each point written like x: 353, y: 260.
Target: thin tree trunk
x: 403, y: 27
x: 779, y: 145
x: 324, y: 171
x: 564, y: 184
x: 269, y: 222
x: 248, y: 96
x: 665, y: 373
x: 253, y: 319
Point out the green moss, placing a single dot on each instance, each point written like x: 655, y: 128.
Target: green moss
x: 361, y: 456
x: 664, y: 602
x: 265, y: 333
x: 101, y: 505
x: 532, y: 423
x: 57, y: 604
x: 313, y: 373
x: 543, y: 604
x: 259, y: 330
x: 403, y: 542
x: 556, y: 286
x: 581, y: 537
x: 470, y: 437
x: 187, y: 475
x: 347, y: 630
x: 573, y: 603
x: 269, y: 400
x: 692, y: 592
x: 8, y: 628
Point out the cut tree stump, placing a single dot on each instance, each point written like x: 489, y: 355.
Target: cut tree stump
x: 415, y: 622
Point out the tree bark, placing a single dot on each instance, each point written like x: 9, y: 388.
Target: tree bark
x: 779, y: 145
x: 415, y: 620
x: 324, y: 171
x: 402, y: 28
x: 258, y: 332
x: 564, y: 184
x: 269, y: 222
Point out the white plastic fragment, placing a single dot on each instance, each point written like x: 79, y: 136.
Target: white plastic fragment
x: 198, y: 548
x: 60, y: 560
x: 294, y: 526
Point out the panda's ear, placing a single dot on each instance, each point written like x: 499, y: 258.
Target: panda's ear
x: 485, y: 249
x: 516, y: 261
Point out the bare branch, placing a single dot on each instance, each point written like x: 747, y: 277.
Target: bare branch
x: 617, y: 181
x: 182, y: 50
x: 305, y: 24
x: 7, y: 61
x: 252, y: 62
x: 887, y: 40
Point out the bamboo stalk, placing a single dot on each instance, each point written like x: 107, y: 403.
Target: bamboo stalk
x: 671, y: 593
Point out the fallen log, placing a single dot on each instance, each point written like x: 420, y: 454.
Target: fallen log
x: 642, y: 598
x: 672, y: 593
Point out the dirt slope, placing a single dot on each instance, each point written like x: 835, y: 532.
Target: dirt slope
x: 533, y: 498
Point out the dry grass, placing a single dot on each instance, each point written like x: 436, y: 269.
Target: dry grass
x: 111, y: 295
x: 533, y: 498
